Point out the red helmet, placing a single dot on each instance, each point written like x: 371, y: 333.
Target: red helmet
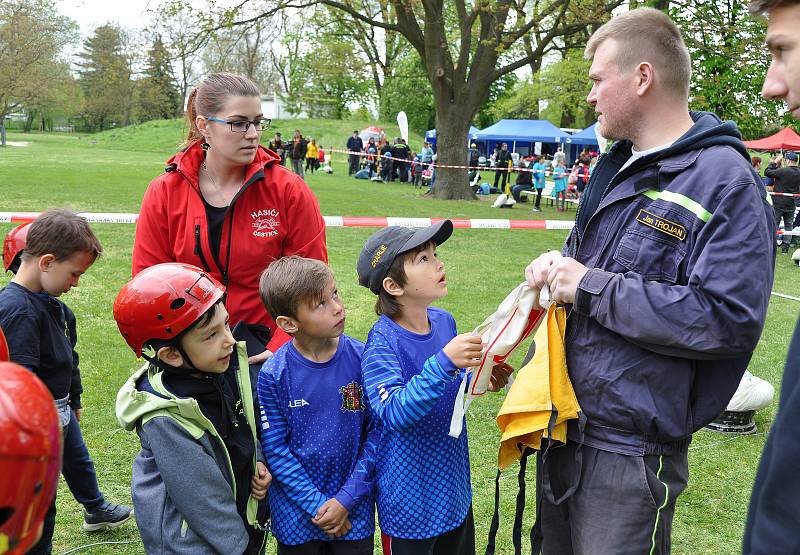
x: 162, y: 301
x: 30, y: 456
x: 14, y: 242
x: 4, y: 354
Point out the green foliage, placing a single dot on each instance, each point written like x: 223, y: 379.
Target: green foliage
x: 562, y: 87
x: 501, y: 89
x: 323, y: 72
x: 32, y: 35
x: 409, y: 90
x: 729, y: 62
x: 158, y: 96
x: 105, y: 77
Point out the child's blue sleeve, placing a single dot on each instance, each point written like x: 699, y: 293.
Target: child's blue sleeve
x: 361, y: 481
x: 283, y: 465
x: 396, y: 403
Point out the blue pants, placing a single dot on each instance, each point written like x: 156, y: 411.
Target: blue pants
x: 78, y: 470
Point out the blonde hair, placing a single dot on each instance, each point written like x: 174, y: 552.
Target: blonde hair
x: 291, y: 281
x: 647, y: 35
x: 209, y: 97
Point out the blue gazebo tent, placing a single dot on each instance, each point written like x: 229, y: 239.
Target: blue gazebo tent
x: 585, y: 137
x: 522, y: 134
x: 430, y: 135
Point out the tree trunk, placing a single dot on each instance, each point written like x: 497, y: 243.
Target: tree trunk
x: 452, y: 126
x: 2, y: 131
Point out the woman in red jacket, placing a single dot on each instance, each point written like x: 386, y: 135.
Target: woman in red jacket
x: 226, y: 204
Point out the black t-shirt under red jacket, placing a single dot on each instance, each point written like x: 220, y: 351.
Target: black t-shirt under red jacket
x: 274, y: 215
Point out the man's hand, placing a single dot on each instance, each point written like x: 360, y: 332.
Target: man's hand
x: 260, y: 484
x: 332, y: 518
x: 464, y: 350
x: 78, y: 413
x: 255, y: 359
x: 563, y: 278
x: 500, y: 374
x: 536, y: 272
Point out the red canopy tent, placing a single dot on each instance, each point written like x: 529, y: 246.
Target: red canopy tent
x: 785, y: 139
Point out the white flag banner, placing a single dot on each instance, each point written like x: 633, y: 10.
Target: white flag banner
x: 402, y: 122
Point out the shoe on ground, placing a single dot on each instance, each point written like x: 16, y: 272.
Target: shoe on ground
x: 536, y: 210
x: 106, y: 516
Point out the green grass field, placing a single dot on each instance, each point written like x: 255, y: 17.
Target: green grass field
x: 109, y: 173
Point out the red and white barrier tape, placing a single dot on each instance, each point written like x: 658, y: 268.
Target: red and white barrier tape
x: 347, y: 221
x: 335, y: 221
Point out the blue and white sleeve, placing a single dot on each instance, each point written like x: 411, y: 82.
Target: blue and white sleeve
x: 396, y: 403
x: 283, y: 465
x: 361, y: 481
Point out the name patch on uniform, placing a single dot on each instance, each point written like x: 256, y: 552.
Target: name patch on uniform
x: 661, y: 224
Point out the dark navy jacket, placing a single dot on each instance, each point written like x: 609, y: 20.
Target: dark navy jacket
x: 681, y: 251
x: 774, y: 515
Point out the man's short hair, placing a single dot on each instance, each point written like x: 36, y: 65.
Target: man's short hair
x: 291, y: 281
x: 647, y: 35
x: 763, y: 7
x: 61, y: 233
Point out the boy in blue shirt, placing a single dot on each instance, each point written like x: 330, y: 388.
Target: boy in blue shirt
x: 48, y: 258
x: 317, y: 432
x: 412, y: 369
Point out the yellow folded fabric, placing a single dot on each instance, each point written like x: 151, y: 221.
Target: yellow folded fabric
x: 540, y: 387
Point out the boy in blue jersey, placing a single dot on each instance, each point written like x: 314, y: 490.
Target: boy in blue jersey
x: 412, y: 370
x: 317, y: 432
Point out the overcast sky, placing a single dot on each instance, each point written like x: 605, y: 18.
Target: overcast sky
x: 93, y: 13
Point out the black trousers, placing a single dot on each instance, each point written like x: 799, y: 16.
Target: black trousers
x: 459, y: 541
x: 336, y: 547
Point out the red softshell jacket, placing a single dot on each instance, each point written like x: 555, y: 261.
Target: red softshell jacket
x: 275, y: 214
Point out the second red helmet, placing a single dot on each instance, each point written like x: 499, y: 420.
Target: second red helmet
x: 13, y: 244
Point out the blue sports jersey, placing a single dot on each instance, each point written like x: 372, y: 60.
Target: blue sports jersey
x: 422, y: 473
x: 319, y: 440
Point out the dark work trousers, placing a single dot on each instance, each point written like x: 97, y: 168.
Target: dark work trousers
x: 352, y: 160
x: 338, y: 547
x: 459, y: 541
x: 497, y: 177
x: 516, y: 191
x: 787, y: 215
x: 623, y: 505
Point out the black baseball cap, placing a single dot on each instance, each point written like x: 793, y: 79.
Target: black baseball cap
x: 791, y: 155
x: 385, y: 245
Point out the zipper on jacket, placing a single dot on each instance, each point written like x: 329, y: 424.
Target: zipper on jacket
x: 198, y: 250
x: 228, y: 254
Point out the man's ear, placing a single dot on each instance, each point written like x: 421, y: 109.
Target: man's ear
x: 392, y: 287
x: 171, y: 356
x: 645, y: 77
x: 287, y: 324
x: 45, y: 261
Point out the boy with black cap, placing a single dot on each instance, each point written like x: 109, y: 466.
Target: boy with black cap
x: 412, y: 368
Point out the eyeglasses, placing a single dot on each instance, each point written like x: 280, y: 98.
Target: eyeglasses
x: 241, y: 126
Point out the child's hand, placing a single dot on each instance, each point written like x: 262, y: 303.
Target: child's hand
x: 464, y: 350
x: 260, y: 484
x: 332, y: 518
x: 500, y: 374
x: 261, y: 357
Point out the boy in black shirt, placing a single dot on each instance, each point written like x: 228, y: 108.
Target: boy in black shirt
x: 59, y: 248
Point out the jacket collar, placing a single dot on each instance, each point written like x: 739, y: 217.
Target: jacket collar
x: 189, y: 161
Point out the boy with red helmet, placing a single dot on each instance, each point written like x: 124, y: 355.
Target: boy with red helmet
x: 77, y: 465
x: 48, y: 257
x: 199, y: 476
x: 30, y: 451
